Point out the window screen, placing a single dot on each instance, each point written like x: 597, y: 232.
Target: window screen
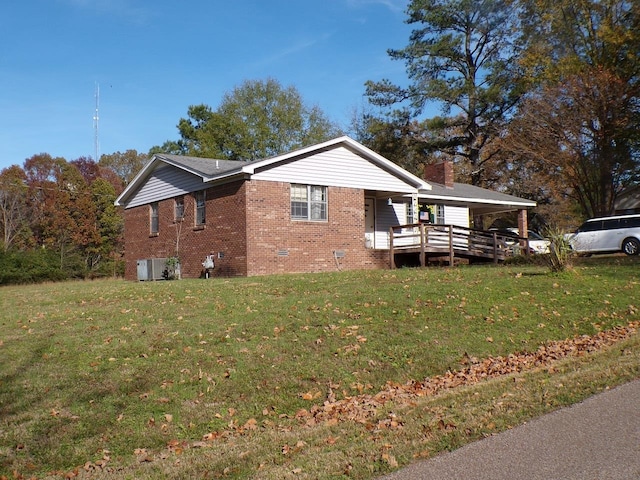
x: 201, y: 216
x: 308, y: 202
x: 153, y: 218
x: 179, y: 208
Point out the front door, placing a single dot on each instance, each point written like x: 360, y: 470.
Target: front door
x: 369, y: 222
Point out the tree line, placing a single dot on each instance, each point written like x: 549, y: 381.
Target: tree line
x: 58, y: 219
x: 539, y: 98
x: 536, y: 98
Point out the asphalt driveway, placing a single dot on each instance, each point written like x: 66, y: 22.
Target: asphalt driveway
x: 598, y: 439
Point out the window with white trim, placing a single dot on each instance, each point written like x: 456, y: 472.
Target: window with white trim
x: 409, y: 211
x: 154, y: 221
x: 201, y: 205
x: 308, y: 202
x: 179, y: 208
x: 440, y: 214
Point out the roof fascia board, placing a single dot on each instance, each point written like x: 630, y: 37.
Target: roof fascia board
x: 484, y: 201
x: 146, y: 172
x: 137, y: 180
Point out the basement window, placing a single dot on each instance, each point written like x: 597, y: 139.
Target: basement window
x: 308, y: 202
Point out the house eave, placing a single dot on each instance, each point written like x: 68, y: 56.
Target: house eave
x: 478, y: 201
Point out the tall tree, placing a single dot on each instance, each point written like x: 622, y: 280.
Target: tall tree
x: 110, y: 225
x: 258, y: 119
x: 396, y: 137
x: 14, y: 213
x: 462, y: 56
x: 581, y: 122
x: 41, y: 172
x: 576, y: 135
x: 126, y: 165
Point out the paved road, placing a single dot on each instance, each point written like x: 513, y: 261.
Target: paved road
x: 598, y: 439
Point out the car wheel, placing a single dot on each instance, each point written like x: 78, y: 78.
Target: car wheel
x: 631, y: 246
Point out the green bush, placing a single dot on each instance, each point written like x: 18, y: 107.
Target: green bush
x: 30, y: 267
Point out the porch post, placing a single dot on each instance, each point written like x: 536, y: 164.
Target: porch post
x: 523, y: 228
x: 414, y: 207
x: 392, y: 258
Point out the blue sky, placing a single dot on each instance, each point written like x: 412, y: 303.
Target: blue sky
x: 153, y: 58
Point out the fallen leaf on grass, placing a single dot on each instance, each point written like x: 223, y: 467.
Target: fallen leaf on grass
x: 311, y: 395
x: 251, y: 424
x: 390, y: 459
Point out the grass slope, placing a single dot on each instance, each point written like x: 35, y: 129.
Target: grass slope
x: 217, y: 378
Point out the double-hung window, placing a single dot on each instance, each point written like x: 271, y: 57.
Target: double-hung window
x: 409, y: 220
x: 308, y: 202
x: 201, y: 216
x: 179, y: 209
x: 154, y: 222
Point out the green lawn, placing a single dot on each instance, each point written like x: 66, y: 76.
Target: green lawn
x: 218, y: 378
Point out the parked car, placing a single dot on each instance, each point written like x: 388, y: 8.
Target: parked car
x: 537, y: 243
x: 607, y: 235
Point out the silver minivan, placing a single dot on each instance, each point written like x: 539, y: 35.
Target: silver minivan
x: 608, y: 234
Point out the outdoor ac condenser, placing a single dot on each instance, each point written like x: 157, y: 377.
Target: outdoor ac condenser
x: 151, y: 269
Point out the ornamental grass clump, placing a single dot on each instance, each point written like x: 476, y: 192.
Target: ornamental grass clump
x: 560, y: 254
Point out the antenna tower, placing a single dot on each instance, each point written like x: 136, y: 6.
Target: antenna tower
x: 96, y: 118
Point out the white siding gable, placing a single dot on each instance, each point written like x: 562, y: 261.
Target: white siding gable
x: 339, y: 167
x: 165, y: 182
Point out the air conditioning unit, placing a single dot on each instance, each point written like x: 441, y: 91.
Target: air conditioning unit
x: 151, y: 269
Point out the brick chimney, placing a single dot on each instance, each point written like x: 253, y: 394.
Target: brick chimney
x: 441, y: 173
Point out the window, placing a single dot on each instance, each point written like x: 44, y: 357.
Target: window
x: 409, y: 219
x: 440, y: 214
x: 611, y: 224
x: 201, y: 216
x: 308, y: 202
x: 591, y: 226
x: 179, y: 208
x: 153, y: 218
x: 630, y: 222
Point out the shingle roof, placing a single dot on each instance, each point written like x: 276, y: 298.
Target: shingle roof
x: 463, y: 191
x: 205, y: 167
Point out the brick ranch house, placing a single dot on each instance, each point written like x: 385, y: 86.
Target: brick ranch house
x: 325, y: 207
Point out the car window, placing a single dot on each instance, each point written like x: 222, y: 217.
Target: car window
x: 611, y: 224
x: 630, y: 222
x: 591, y: 226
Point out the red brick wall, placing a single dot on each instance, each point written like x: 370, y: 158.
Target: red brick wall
x: 224, y: 232
x: 441, y: 173
x: 249, y: 224
x: 309, y: 246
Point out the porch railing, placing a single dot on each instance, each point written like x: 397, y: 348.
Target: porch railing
x: 450, y: 241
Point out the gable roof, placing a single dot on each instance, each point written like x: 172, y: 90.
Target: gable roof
x: 212, y: 171
x: 203, y: 167
x: 204, y: 171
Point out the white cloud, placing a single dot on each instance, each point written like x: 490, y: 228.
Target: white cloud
x: 293, y: 49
